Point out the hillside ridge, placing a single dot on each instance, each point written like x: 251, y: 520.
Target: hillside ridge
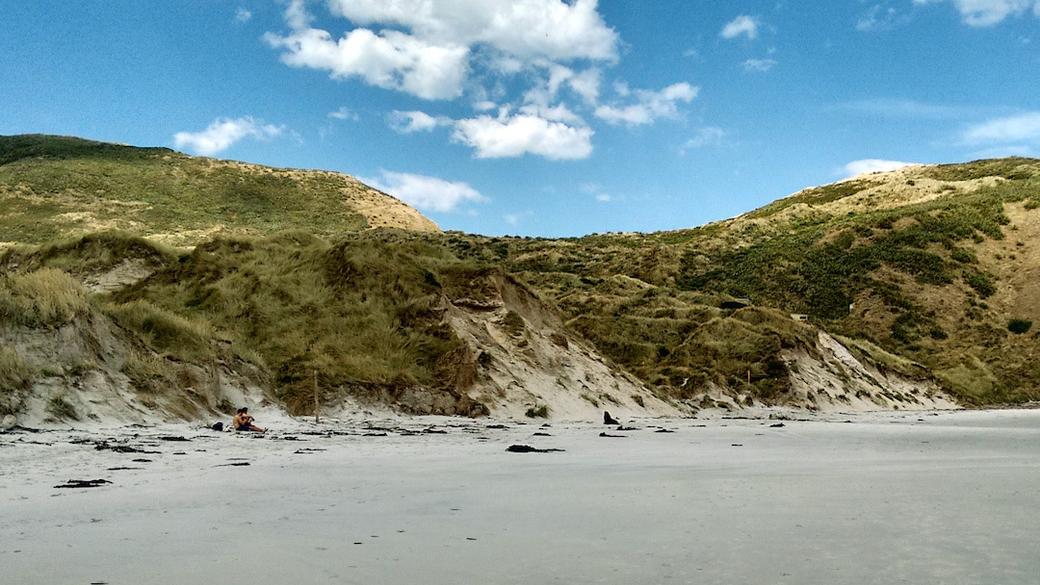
x: 56, y: 187
x: 915, y: 288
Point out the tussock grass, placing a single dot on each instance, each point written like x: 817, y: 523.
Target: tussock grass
x: 165, y: 330
x: 89, y: 253
x: 363, y: 313
x: 43, y: 298
x: 15, y: 377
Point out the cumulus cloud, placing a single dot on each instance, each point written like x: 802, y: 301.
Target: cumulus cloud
x: 243, y: 15
x: 430, y: 57
x: 873, y: 165
x: 983, y: 13
x: 415, y: 121
x: 649, y: 105
x: 442, y: 49
x: 525, y: 29
x: 425, y: 192
x: 586, y: 84
x: 758, y: 65
x: 512, y: 135
x: 224, y: 132
x: 1018, y: 128
x: 742, y: 25
x: 388, y: 59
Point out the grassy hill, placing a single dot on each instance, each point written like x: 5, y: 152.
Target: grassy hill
x: 937, y: 264
x: 55, y: 187
x: 927, y: 277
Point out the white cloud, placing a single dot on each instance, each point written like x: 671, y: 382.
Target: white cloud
x: 873, y: 165
x: 223, y: 132
x: 650, y: 105
x: 557, y: 113
x: 425, y: 192
x: 525, y: 29
x: 513, y: 135
x: 343, y: 113
x: 430, y: 58
x: 388, y: 59
x: 742, y: 25
x: 881, y: 17
x: 415, y: 121
x: 983, y: 13
x: 1018, y: 128
x: 758, y: 65
x: 705, y: 137
x: 586, y: 84
x: 242, y: 15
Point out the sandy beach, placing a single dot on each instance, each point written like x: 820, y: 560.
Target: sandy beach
x: 948, y: 497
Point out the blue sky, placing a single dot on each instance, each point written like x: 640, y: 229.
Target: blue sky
x: 539, y: 117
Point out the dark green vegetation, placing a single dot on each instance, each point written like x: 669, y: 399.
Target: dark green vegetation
x: 934, y: 266
x: 1020, y: 326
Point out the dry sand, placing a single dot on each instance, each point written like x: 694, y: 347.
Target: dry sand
x: 948, y: 498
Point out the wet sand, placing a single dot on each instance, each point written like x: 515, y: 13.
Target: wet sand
x: 950, y: 498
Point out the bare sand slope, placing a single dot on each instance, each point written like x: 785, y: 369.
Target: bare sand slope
x: 951, y: 498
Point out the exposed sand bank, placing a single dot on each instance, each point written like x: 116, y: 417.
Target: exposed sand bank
x: 916, y: 498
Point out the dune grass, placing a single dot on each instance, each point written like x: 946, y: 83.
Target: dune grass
x: 15, y: 377
x: 53, y: 187
x: 47, y: 297
x: 363, y: 313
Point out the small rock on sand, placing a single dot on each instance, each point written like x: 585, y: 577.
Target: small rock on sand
x: 530, y: 449
x: 83, y: 483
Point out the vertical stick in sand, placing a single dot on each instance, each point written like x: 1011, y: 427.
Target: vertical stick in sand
x: 316, y: 396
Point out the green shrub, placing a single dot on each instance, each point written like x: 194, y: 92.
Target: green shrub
x: 981, y: 282
x: 963, y: 256
x: 1019, y: 326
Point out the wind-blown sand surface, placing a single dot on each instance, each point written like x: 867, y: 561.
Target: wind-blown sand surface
x: 916, y: 498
